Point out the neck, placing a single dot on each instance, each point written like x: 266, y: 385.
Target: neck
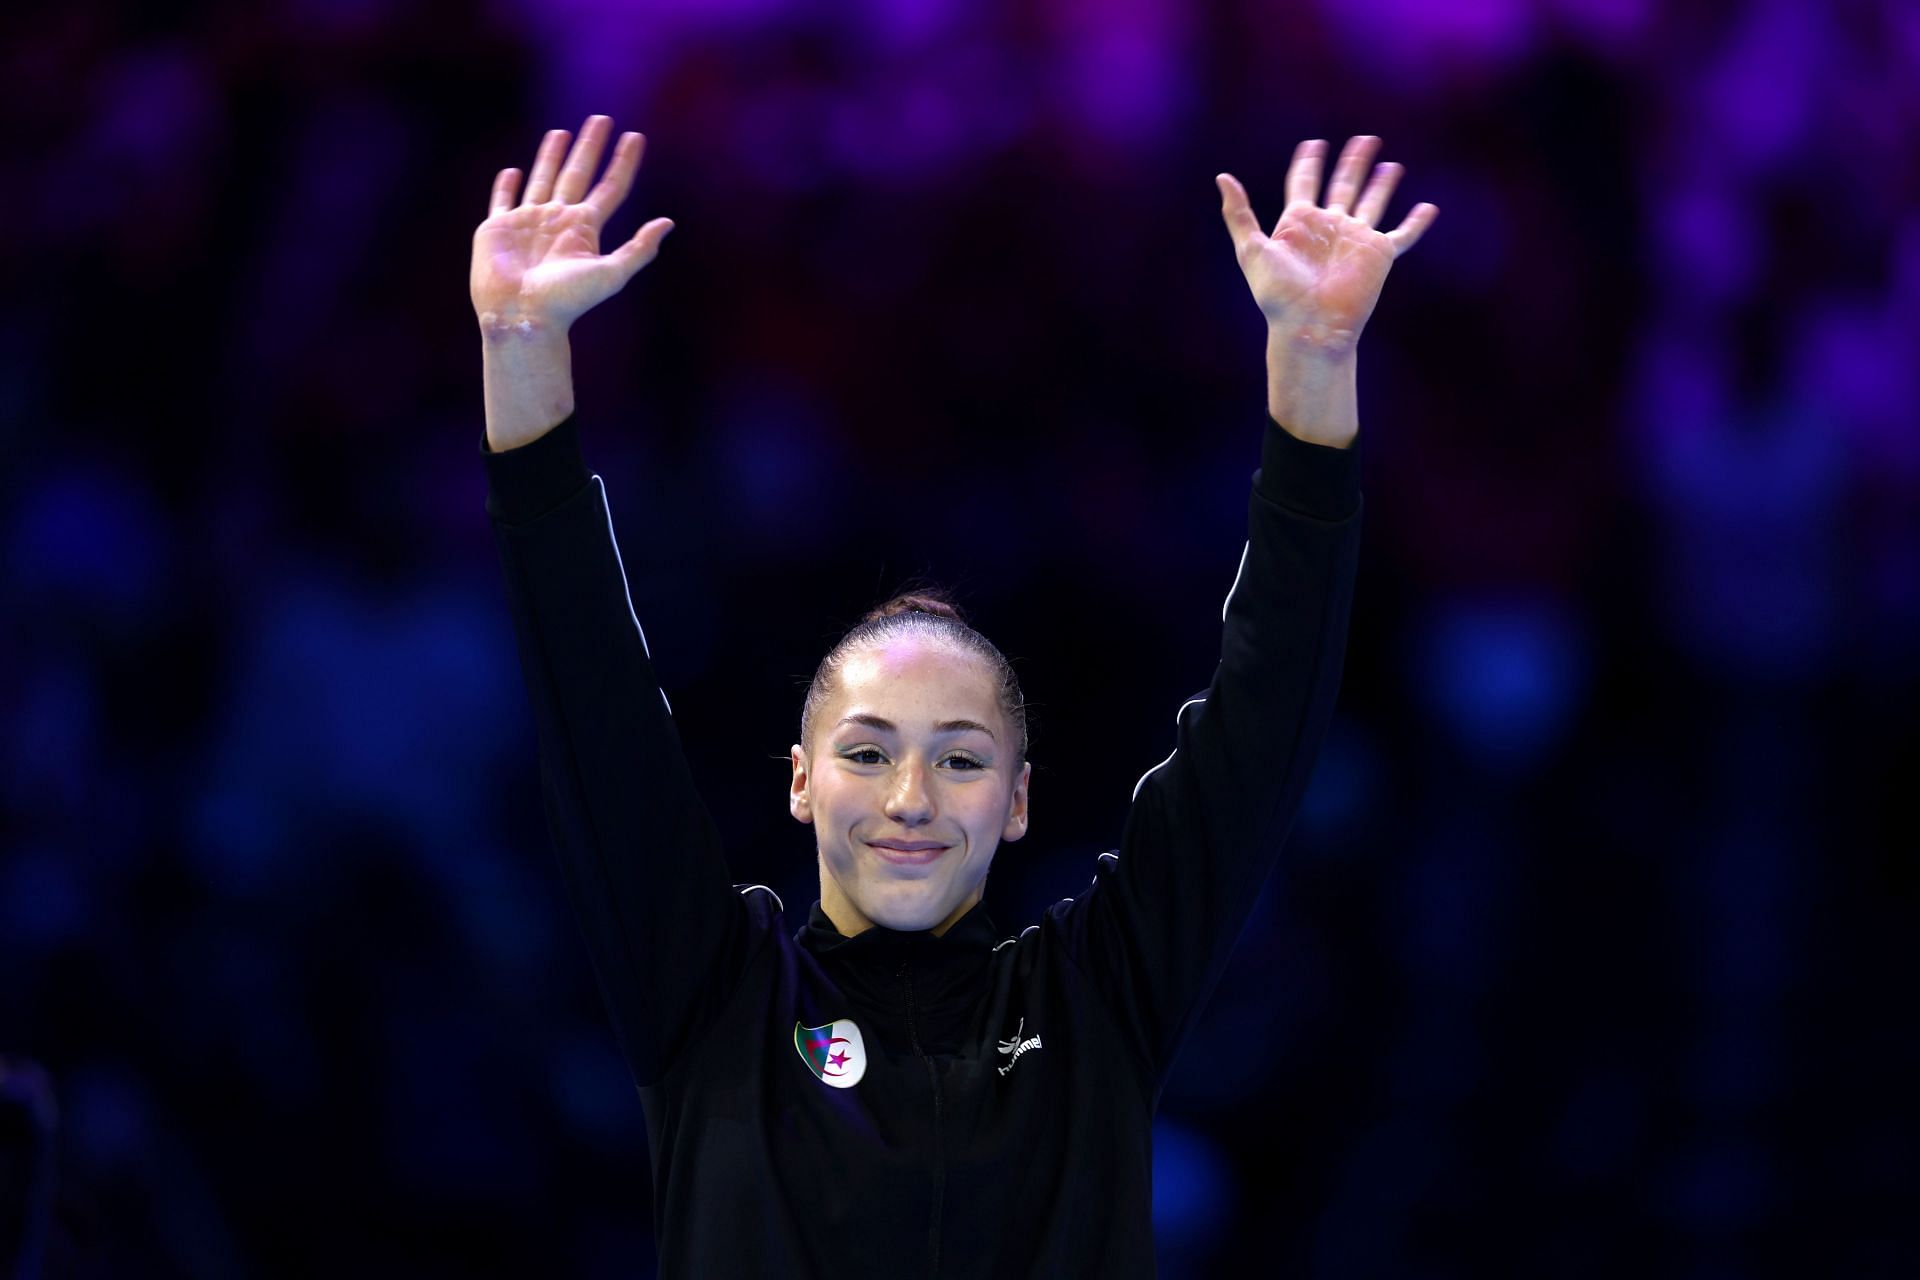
x: 850, y: 921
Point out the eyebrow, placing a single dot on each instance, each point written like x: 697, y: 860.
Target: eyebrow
x: 888, y: 726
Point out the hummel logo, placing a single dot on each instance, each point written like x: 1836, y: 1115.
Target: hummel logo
x: 1016, y: 1046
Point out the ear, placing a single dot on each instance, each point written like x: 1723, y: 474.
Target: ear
x: 800, y: 799
x: 1017, y: 807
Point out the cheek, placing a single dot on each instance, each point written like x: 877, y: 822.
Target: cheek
x: 836, y: 793
x: 985, y: 807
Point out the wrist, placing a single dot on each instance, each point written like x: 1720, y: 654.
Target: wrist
x: 519, y: 326
x: 1312, y: 387
x: 527, y: 374
x: 1318, y: 343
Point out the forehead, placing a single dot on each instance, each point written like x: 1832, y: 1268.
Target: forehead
x: 915, y: 678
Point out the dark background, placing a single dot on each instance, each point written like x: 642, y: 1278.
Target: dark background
x: 1592, y: 952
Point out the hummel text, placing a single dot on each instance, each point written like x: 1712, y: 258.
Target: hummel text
x: 1015, y: 1046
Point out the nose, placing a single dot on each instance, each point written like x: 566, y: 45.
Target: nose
x: 910, y: 799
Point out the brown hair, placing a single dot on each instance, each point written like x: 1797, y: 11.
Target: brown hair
x: 923, y: 611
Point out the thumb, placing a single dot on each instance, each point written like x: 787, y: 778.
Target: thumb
x: 1238, y: 214
x: 643, y: 247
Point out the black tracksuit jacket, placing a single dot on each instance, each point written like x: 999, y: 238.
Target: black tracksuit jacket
x: 1000, y: 1118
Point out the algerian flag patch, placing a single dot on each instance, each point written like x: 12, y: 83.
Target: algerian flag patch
x: 834, y: 1053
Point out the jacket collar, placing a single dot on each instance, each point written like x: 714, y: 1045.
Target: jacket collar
x: 913, y: 982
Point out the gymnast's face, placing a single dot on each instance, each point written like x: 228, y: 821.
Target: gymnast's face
x: 911, y: 750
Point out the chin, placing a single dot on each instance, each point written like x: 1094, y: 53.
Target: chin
x: 908, y: 916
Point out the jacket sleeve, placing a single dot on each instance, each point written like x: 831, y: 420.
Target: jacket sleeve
x: 1155, y: 929
x: 638, y: 850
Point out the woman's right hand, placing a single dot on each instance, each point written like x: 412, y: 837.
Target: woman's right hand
x: 537, y: 259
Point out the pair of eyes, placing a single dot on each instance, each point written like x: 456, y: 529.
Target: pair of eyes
x: 968, y: 763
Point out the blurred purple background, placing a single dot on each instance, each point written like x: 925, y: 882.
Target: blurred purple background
x: 1588, y: 954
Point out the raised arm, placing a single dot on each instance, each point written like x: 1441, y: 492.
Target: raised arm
x: 1317, y: 278
x: 537, y: 267
x: 1207, y: 823
x: 638, y: 850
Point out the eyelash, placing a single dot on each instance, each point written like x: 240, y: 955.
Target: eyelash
x: 849, y: 755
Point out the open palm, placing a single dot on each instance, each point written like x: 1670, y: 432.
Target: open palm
x: 1320, y: 271
x: 539, y: 258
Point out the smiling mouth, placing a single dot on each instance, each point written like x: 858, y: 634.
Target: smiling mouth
x: 909, y: 857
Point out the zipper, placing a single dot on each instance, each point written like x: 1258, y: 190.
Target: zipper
x: 939, y: 1155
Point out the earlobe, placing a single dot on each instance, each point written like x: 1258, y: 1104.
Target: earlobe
x: 1016, y: 825
x: 799, y: 802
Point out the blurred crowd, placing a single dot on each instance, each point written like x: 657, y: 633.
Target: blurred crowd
x: 1586, y: 956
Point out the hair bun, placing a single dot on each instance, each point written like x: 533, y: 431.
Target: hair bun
x: 923, y: 601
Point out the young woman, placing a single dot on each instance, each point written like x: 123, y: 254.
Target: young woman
x: 896, y: 1087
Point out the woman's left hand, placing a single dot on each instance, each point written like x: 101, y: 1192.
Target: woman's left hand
x: 1318, y: 275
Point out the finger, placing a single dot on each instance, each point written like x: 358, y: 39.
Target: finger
x: 1407, y: 234
x: 582, y: 160
x: 1354, y: 159
x: 1303, y: 175
x: 1373, y: 201
x: 545, y: 165
x: 506, y: 191
x: 1241, y: 224
x: 642, y: 248
x: 618, y: 180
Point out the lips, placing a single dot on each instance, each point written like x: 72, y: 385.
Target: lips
x: 911, y: 853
